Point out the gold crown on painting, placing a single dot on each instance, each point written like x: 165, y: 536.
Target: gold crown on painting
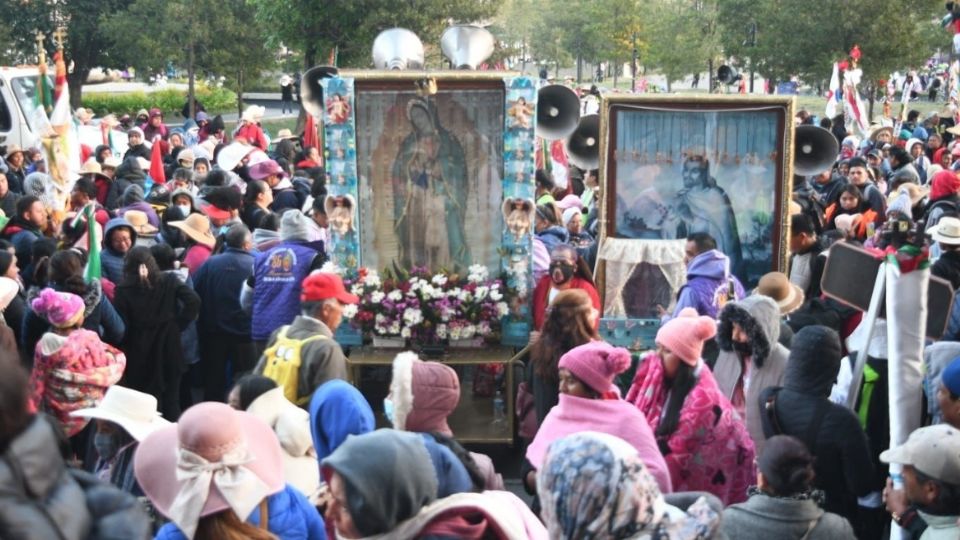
x: 426, y: 86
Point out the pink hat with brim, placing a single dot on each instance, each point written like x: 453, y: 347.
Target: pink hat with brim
x: 213, y: 431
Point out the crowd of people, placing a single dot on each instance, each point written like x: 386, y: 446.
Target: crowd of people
x: 180, y: 377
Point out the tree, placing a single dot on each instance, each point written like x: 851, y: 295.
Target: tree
x: 86, y: 47
x: 158, y: 32
x: 683, y: 36
x: 514, y: 27
x: 569, y: 29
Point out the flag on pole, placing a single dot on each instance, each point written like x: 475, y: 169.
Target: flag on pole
x: 92, y: 272
x: 156, y: 174
x: 44, y: 96
x: 310, y: 137
x: 833, y: 96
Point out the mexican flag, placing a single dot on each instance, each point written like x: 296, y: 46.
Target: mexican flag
x: 834, y: 95
x: 92, y: 272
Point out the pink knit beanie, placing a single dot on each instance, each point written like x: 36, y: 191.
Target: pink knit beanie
x: 685, y: 334
x: 62, y: 310
x: 596, y: 364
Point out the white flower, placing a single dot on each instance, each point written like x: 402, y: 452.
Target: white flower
x: 356, y: 289
x: 395, y: 295
x: 350, y: 311
x: 331, y: 267
x: 412, y: 316
x: 394, y: 328
x: 455, y: 332
x: 502, y: 309
x: 441, y: 331
x: 405, y: 333
x: 480, y: 293
x: 468, y: 331
x: 439, y: 280
x: 483, y: 329
x: 477, y: 273
x: 377, y: 297
x: 495, y: 295
x: 372, y: 279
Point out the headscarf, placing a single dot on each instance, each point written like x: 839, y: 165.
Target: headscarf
x: 594, y: 485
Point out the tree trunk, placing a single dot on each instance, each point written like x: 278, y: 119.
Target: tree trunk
x: 669, y: 85
x: 75, y: 81
x: 309, y: 60
x: 873, y: 95
x: 615, y: 70
x: 191, y: 75
x: 240, y: 93
x: 710, y: 76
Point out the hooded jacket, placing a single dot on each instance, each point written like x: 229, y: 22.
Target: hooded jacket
x: 424, y: 394
x: 133, y: 199
x: 111, y: 261
x: 708, y: 284
x: 43, y: 498
x: 759, y: 317
x: 337, y: 410
x: 844, y: 467
x: 127, y: 174
x: 553, y: 236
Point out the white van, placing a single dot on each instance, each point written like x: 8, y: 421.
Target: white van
x: 18, y: 89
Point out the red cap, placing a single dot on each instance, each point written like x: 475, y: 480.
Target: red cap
x: 320, y: 286
x: 213, y: 212
x: 155, y: 112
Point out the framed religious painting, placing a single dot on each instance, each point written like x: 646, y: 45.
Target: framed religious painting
x: 672, y: 166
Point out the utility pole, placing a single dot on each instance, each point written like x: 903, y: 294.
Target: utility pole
x: 634, y: 70
x: 751, y: 42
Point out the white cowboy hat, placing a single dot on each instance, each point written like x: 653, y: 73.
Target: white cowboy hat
x: 231, y: 155
x: 136, y: 412
x: 946, y: 231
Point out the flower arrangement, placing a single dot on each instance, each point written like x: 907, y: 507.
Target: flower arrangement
x: 424, y: 307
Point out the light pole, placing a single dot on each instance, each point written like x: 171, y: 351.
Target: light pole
x: 634, y: 70
x: 751, y: 41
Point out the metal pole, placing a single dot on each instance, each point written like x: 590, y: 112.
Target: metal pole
x: 633, y: 88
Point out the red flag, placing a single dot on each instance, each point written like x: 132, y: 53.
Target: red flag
x: 156, y: 164
x: 310, y: 137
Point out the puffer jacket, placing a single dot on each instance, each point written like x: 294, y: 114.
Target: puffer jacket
x: 292, y: 426
x: 759, y: 317
x: 42, y: 498
x: 337, y: 410
x: 289, y: 517
x: 127, y: 174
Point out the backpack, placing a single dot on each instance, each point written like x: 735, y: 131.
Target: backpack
x: 283, y: 363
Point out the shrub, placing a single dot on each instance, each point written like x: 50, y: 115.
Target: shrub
x: 170, y: 101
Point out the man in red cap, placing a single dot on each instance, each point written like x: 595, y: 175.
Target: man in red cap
x: 303, y: 355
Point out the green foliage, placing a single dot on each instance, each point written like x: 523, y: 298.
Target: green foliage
x: 683, y: 36
x: 316, y: 27
x: 169, y: 101
x: 805, y: 37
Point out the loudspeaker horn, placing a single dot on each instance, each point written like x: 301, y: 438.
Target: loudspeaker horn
x: 583, y: 145
x: 397, y: 48
x: 814, y: 150
x: 728, y: 75
x: 558, y: 112
x: 466, y: 46
x: 311, y: 91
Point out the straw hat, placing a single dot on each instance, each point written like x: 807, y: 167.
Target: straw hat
x: 874, y: 133
x: 946, y: 231
x: 777, y: 286
x: 136, y: 412
x: 91, y: 166
x: 138, y: 220
x: 231, y: 155
x: 197, y: 227
x: 253, y: 113
x: 113, y: 162
x: 915, y: 192
x: 284, y: 133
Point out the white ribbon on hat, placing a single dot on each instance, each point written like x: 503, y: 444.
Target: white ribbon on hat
x: 240, y: 487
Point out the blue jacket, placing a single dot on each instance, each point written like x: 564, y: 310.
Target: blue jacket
x: 289, y: 517
x: 337, y: 410
x: 218, y: 283
x: 553, y: 236
x: 111, y: 262
x: 278, y: 275
x: 452, y: 476
x: 708, y: 280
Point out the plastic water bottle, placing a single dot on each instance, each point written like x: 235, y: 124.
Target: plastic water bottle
x: 499, y: 408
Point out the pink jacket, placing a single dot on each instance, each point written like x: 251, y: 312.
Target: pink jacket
x: 613, y: 417
x: 708, y: 451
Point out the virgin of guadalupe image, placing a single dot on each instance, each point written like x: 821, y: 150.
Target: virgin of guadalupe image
x: 429, y: 189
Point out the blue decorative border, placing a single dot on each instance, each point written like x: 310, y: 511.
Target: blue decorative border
x: 340, y: 152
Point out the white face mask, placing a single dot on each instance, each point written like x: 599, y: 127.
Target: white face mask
x: 184, y: 209
x: 388, y: 409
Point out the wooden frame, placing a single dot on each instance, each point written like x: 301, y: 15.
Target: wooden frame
x: 747, y: 143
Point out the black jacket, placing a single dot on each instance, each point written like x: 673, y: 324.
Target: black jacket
x: 98, y: 316
x: 844, y: 467
x: 948, y: 268
x: 128, y: 173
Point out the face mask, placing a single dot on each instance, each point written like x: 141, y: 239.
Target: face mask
x: 185, y: 209
x: 388, y: 409
x: 223, y: 230
x: 105, y: 444
x: 561, y: 273
x: 743, y: 349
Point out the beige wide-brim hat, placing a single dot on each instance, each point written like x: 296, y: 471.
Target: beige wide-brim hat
x: 874, y: 133
x: 138, y: 220
x: 136, y: 412
x: 946, y: 231
x: 197, y: 227
x: 776, y: 286
x: 284, y: 133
